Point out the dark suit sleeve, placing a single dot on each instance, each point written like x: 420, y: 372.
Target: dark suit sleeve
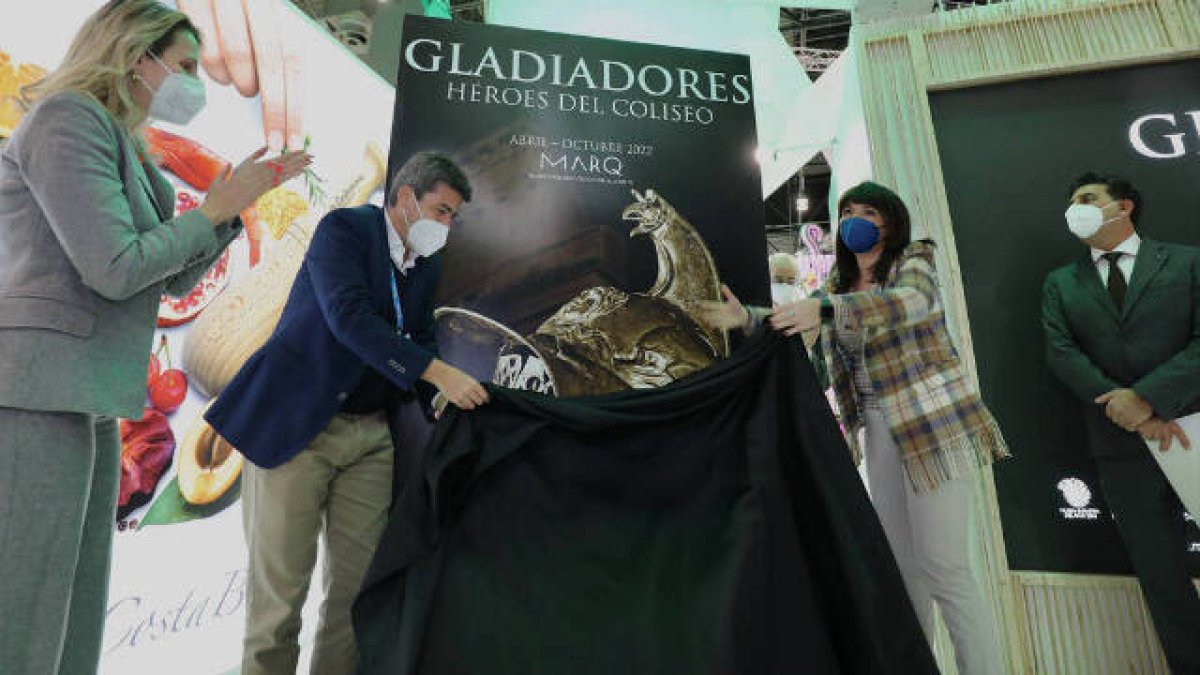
x: 1175, y: 384
x: 337, y: 261
x: 1066, y: 360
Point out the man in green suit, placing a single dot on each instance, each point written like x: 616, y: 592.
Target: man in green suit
x: 1123, y: 334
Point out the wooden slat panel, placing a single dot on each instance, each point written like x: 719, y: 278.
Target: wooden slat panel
x: 1088, y: 625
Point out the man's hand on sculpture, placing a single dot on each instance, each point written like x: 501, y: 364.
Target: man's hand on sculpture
x: 244, y: 45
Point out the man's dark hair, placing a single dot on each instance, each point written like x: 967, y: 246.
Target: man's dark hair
x: 898, y: 237
x: 423, y: 171
x: 1118, y: 187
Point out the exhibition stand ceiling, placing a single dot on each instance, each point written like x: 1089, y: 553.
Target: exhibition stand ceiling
x: 797, y: 118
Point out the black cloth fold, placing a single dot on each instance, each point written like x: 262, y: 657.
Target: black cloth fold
x: 716, y: 525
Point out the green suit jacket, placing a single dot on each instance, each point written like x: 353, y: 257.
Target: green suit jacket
x: 1151, y: 344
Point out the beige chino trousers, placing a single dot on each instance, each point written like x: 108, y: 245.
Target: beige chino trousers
x: 339, y: 487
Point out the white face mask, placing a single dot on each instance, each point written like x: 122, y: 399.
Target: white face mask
x: 426, y: 236
x: 178, y: 99
x: 1085, y: 220
x: 782, y: 294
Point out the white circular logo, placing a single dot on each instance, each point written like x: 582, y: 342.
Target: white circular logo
x: 1075, y: 491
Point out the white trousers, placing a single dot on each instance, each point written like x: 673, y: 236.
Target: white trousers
x: 930, y: 536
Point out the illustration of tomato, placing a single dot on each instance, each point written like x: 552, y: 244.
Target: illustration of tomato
x: 166, y: 388
x: 169, y: 390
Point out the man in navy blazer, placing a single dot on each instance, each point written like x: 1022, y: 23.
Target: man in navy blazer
x: 310, y: 409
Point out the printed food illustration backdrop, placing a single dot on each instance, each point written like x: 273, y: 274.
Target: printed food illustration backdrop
x: 176, y: 601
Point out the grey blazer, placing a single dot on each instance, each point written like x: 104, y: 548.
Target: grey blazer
x: 87, y: 247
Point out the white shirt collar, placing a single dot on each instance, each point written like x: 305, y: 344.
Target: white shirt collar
x: 1129, y: 247
x: 400, y: 255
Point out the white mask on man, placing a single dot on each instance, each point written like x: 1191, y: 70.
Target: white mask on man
x: 426, y: 236
x: 1085, y: 220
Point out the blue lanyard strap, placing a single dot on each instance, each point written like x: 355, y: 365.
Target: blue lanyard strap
x: 396, y: 303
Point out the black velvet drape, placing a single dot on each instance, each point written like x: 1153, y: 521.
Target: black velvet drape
x: 716, y: 525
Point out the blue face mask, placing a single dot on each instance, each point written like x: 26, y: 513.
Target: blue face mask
x: 858, y: 234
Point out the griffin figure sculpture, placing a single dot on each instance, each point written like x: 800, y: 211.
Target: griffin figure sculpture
x: 605, y: 339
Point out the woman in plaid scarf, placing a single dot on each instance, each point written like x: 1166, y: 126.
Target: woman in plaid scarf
x: 899, y: 385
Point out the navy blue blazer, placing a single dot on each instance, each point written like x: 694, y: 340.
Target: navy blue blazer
x: 339, y: 320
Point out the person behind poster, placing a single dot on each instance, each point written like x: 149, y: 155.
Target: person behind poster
x: 896, y: 375
x: 785, y: 274
x: 87, y: 248
x: 1122, y: 330
x: 310, y: 409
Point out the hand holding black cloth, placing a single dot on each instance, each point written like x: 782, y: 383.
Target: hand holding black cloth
x: 716, y: 525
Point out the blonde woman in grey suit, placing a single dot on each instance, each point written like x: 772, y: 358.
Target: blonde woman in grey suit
x: 87, y: 245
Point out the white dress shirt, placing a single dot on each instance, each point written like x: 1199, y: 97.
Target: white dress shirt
x: 401, y: 257
x: 1129, y: 249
